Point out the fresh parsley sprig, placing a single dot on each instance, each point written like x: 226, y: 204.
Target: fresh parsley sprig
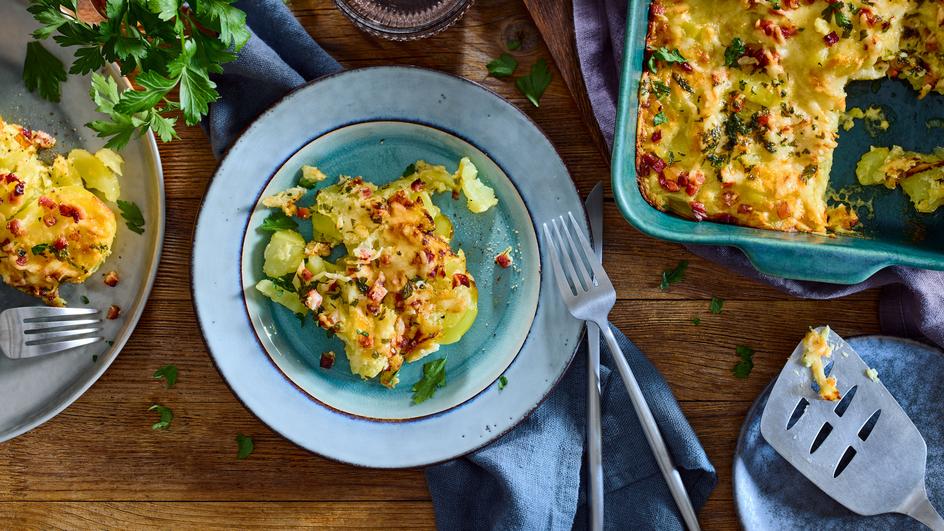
x: 673, y: 276
x: 167, y: 44
x: 434, y: 377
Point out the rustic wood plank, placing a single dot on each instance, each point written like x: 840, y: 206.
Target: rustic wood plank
x: 211, y: 515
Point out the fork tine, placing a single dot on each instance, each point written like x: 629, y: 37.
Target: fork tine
x: 35, y: 339
x: 567, y: 259
x: 562, y: 284
x: 42, y: 326
x: 31, y: 351
x: 587, y: 280
x: 46, y: 312
x: 598, y: 271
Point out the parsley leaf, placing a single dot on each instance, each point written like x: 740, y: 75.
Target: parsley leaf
x: 733, y: 52
x: 168, y: 373
x: 660, y: 88
x: 835, y: 11
x: 132, y: 214
x: 409, y: 170
x: 43, y: 72
x: 659, y: 119
x: 245, y: 446
x: 502, y: 382
x: 504, y: 66
x: 716, y: 305
x: 535, y: 83
x: 434, y: 377
x: 513, y: 44
x: 277, y: 221
x: 85, y: 300
x: 743, y: 368
x: 166, y: 416
x: 673, y: 276
x: 39, y: 249
x: 696, y: 320
x: 665, y: 55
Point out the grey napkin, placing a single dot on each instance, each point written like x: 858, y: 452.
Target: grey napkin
x: 531, y: 477
x: 912, y: 300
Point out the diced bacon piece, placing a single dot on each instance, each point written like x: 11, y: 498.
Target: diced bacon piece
x: 460, y: 279
x: 15, y: 227
x: 111, y: 278
x: 650, y: 162
x: 113, y: 312
x: 70, y: 211
x: 745, y: 209
x: 668, y: 184
x: 377, y: 292
x: 327, y: 360
x: 417, y: 185
x: 698, y: 211
x: 46, y: 202
x: 313, y: 300
x: 503, y: 259
x: 831, y: 38
x: 657, y: 135
x: 60, y: 244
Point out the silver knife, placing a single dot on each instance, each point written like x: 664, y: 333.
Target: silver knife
x: 594, y: 205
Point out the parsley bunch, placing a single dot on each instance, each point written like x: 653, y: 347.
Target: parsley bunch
x: 172, y: 47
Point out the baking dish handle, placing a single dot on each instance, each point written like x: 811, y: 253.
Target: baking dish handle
x: 821, y: 264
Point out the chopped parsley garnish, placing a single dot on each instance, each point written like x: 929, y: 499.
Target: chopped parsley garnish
x: 502, y: 382
x: 168, y: 373
x: 40, y: 249
x: 665, y: 55
x: 362, y: 333
x: 682, y: 83
x: 285, y: 282
x: 245, y: 446
x: 362, y: 285
x: 409, y: 170
x: 733, y: 52
x: 132, y: 215
x: 434, y: 377
x: 277, y: 221
x: 696, y: 320
x: 504, y: 66
x: 716, y: 304
x: 743, y: 368
x: 166, y: 416
x: 673, y: 276
x: 660, y: 89
x: 535, y: 83
x: 835, y: 11
x: 659, y: 119
x: 85, y: 300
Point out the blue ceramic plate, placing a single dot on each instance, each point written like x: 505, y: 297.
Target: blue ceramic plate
x: 890, y: 233
x: 345, y: 124
x: 770, y: 494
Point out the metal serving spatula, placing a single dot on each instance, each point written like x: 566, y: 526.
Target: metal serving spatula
x: 861, y: 450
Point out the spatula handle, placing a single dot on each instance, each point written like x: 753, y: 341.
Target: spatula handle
x: 925, y: 513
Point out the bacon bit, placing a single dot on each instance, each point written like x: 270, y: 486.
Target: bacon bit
x: 27, y: 133
x: 463, y: 280
x: 727, y: 184
x: 365, y: 341
x: 21, y: 260
x: 763, y: 56
x: 650, y: 162
x: 657, y: 9
x: 46, y: 202
x: 430, y: 257
x: 111, y: 279
x: 669, y: 185
x: 783, y: 209
x: 417, y: 185
x: 366, y: 192
x: 745, y: 209
x: 327, y: 360
x: 657, y: 135
x: 729, y: 198
x: 503, y: 259
x: 11, y: 178
x: 74, y: 212
x: 22, y: 140
x: 313, y: 300
x: 15, y: 226
x: 61, y: 244
x: 693, y: 182
x: 377, y: 292
x: 763, y: 119
x: 869, y: 16
x: 831, y: 38
x: 113, y: 312
x: 724, y: 217
x: 18, y: 190
x: 305, y: 274
x: 40, y: 139
x: 325, y: 321
x: 686, y: 67
x: 303, y: 213
x: 779, y: 32
x: 698, y: 211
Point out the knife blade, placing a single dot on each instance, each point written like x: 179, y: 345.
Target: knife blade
x: 594, y: 206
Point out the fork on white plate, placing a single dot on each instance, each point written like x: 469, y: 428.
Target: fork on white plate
x: 589, y: 296
x: 40, y: 330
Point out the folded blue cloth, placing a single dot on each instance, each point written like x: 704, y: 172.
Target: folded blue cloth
x: 531, y: 477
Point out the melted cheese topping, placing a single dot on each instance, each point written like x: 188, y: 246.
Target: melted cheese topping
x: 739, y: 114
x: 816, y: 349
x: 400, y: 290
x: 920, y: 175
x: 52, y: 230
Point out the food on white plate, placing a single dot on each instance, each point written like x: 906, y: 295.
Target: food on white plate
x: 816, y: 352
x: 920, y: 175
x: 399, y: 290
x: 741, y: 102
x: 52, y: 228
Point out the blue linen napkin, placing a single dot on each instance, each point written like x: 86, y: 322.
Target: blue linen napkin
x: 531, y: 477
x: 912, y: 300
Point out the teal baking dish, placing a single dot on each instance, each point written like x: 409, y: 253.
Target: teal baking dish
x: 891, y: 231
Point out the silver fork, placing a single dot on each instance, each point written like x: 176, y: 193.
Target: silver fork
x: 39, y: 330
x: 590, y: 297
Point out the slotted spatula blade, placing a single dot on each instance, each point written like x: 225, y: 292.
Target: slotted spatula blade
x: 861, y: 450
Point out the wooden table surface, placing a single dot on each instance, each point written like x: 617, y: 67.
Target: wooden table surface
x: 100, y: 465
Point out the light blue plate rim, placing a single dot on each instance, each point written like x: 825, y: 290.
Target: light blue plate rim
x: 270, y: 355
x: 737, y: 466
x: 456, y: 429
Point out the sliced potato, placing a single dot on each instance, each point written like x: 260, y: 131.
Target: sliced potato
x: 284, y: 253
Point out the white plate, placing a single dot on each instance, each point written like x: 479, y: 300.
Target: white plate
x: 35, y: 390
